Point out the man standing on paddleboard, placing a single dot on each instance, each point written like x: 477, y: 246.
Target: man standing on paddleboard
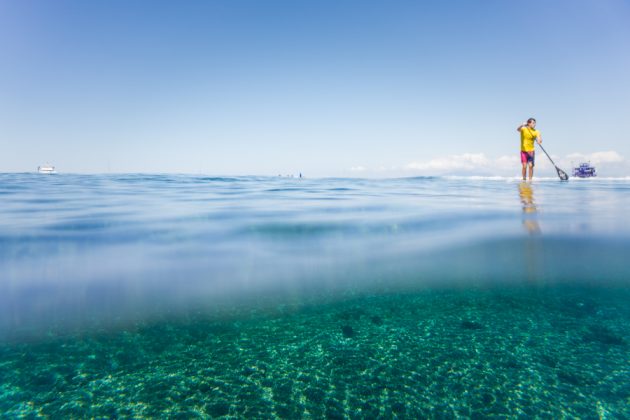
x: 528, y: 135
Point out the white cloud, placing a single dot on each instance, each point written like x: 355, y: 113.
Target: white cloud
x: 507, y: 162
x: 608, y: 163
x: 466, y: 161
x: 597, y: 157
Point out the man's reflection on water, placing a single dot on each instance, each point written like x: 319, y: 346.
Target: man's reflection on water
x: 532, y: 251
x: 530, y: 221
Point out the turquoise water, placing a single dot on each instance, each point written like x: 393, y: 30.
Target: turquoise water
x: 159, y: 295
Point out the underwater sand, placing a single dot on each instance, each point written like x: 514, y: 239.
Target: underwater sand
x: 558, y: 351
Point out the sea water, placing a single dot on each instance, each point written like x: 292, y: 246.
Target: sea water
x: 142, y: 295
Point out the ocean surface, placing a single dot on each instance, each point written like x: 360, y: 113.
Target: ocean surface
x: 189, y: 296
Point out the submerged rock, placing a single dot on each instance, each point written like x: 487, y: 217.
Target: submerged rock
x: 347, y: 331
x: 219, y: 409
x: 471, y: 325
x: 603, y: 335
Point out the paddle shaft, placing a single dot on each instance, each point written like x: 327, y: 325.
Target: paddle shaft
x: 563, y: 175
x: 543, y: 149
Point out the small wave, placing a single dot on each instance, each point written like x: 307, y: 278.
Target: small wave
x: 536, y: 178
x: 284, y: 189
x: 219, y: 179
x: 602, y: 178
x: 495, y: 178
x: 420, y: 178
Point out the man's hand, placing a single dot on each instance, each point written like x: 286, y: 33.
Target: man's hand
x: 539, y: 140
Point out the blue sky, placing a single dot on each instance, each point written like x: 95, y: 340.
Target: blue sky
x: 328, y: 88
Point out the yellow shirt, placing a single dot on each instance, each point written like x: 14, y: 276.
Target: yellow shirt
x: 528, y: 136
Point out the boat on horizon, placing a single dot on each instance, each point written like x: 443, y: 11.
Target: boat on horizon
x: 46, y: 169
x: 584, y: 170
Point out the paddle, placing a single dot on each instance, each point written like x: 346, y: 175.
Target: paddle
x: 563, y: 175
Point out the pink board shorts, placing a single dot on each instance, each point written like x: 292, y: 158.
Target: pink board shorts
x: 527, y: 157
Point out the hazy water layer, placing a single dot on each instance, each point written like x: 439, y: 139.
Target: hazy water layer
x: 258, y: 297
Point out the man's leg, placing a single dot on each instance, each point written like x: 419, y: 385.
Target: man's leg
x: 524, y: 170
x: 531, y: 171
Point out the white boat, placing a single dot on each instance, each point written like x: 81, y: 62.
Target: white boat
x: 46, y: 169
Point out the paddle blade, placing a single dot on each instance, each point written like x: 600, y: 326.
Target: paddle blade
x: 563, y: 175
